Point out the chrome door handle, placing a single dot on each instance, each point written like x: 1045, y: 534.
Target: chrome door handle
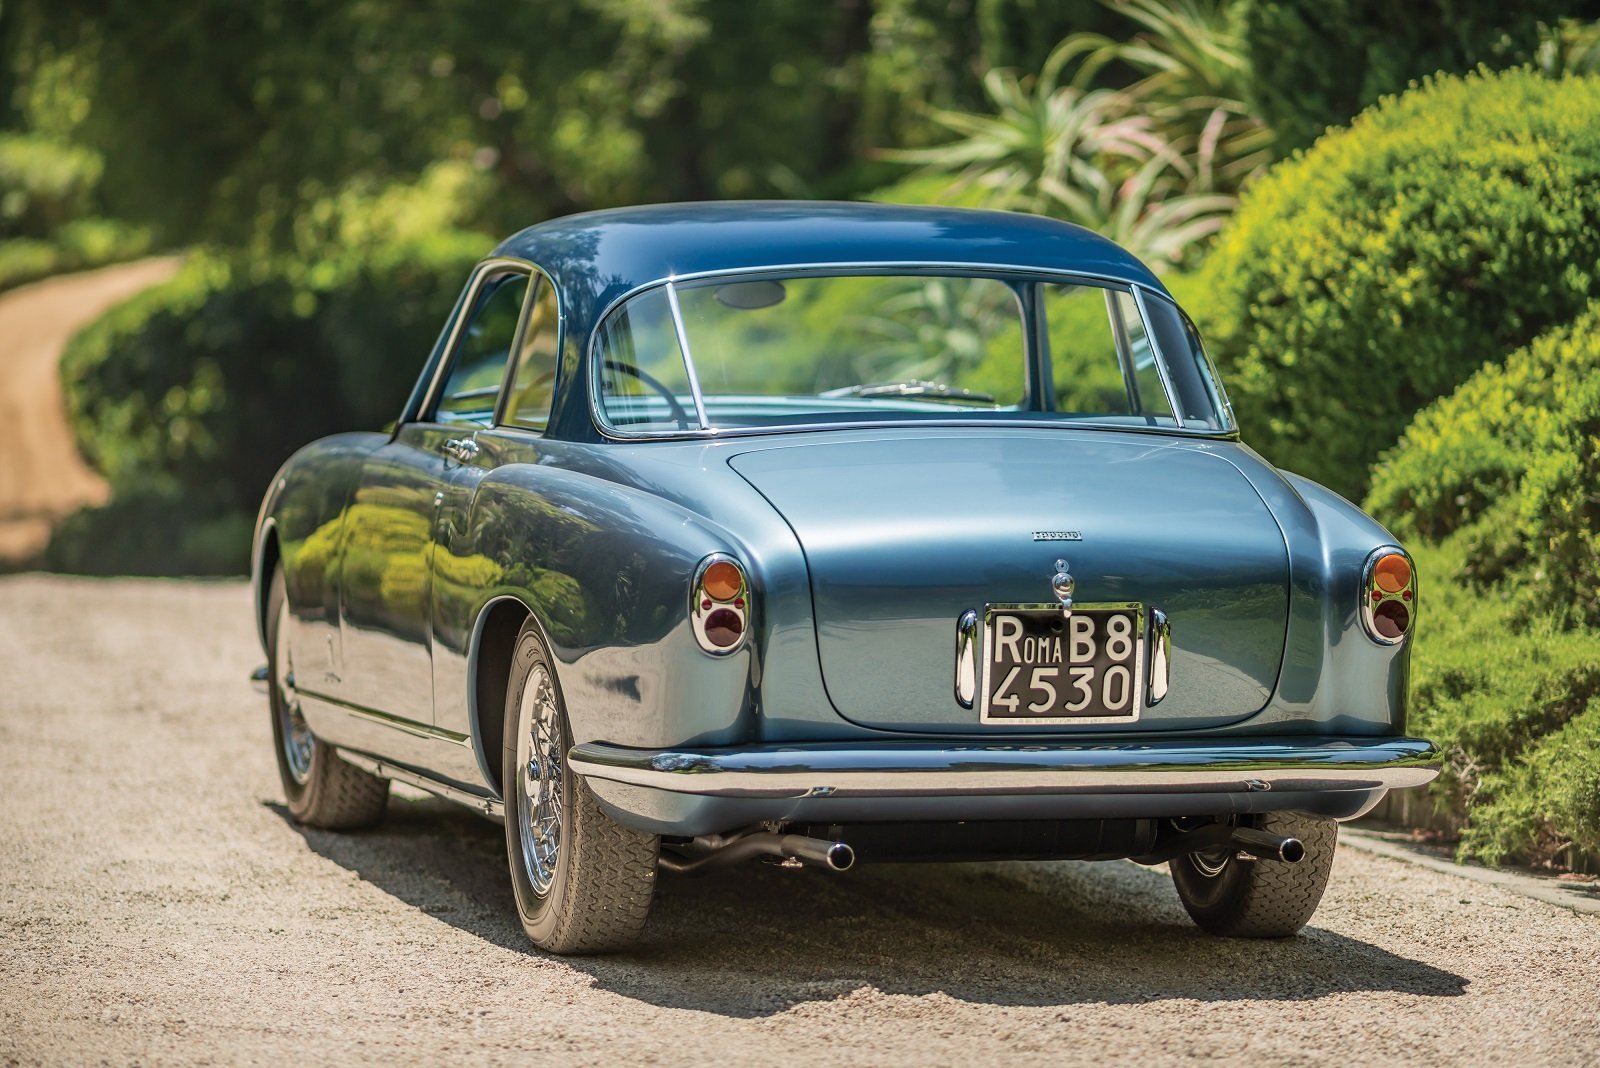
x: 461, y: 449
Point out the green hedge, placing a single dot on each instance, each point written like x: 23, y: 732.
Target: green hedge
x: 189, y: 396
x: 1501, y: 482
x: 1512, y: 701
x: 1510, y: 465
x: 1442, y: 230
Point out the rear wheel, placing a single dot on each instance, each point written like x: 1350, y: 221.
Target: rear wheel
x: 1255, y: 898
x: 321, y: 789
x: 583, y: 882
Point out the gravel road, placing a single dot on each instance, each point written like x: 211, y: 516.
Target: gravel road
x: 157, y: 907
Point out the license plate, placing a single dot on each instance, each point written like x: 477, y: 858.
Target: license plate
x: 1046, y: 665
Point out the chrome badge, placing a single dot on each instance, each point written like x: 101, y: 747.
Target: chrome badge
x: 1057, y: 535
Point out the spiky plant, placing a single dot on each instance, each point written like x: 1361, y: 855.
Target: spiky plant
x: 1156, y: 165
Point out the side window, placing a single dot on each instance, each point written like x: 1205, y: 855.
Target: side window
x: 533, y: 383
x: 478, y: 364
x: 1100, y: 355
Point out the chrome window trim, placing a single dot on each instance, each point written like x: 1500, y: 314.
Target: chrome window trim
x: 1161, y: 356
x: 1119, y: 333
x: 874, y: 267
x: 484, y: 271
x: 1215, y: 386
x: 689, y: 369
x: 517, y: 340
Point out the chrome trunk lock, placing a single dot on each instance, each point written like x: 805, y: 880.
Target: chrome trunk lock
x: 1063, y: 584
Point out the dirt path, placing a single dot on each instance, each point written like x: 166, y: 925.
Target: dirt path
x: 157, y: 908
x: 42, y: 477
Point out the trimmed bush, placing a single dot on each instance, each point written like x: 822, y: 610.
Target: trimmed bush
x: 1364, y: 279
x: 1470, y: 449
x: 197, y: 390
x: 1501, y: 480
x: 1514, y: 702
x: 1511, y: 461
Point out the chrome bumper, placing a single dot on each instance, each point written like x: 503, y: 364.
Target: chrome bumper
x: 882, y: 769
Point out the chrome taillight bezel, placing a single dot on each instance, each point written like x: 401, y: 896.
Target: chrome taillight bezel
x: 739, y: 604
x: 1373, y: 596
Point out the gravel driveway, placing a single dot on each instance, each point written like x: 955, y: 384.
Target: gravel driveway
x: 156, y: 906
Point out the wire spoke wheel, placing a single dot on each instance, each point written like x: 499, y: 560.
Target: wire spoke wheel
x: 539, y: 773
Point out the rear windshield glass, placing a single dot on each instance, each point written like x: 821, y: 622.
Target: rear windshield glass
x: 848, y: 348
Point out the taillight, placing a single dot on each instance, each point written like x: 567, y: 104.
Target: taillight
x: 719, y: 605
x: 1388, y: 595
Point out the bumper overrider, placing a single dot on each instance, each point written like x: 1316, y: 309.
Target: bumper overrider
x: 711, y: 790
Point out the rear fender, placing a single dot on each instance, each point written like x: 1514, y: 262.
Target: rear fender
x: 606, y: 571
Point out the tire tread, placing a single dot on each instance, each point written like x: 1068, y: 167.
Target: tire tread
x: 1267, y: 898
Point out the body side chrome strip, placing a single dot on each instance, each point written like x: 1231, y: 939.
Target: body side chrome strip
x: 487, y: 806
x: 399, y: 723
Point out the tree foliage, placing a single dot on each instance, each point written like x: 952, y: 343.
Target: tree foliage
x: 1317, y: 63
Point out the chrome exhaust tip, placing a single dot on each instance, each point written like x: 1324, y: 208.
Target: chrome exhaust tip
x: 836, y: 856
x: 1266, y: 846
x: 794, y: 849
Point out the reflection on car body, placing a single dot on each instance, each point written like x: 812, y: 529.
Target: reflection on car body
x: 822, y: 533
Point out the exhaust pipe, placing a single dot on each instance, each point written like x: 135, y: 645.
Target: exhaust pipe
x: 816, y: 852
x: 1268, y: 846
x: 1248, y: 840
x: 835, y: 856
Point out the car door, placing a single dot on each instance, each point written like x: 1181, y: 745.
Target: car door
x: 462, y: 571
x: 388, y: 567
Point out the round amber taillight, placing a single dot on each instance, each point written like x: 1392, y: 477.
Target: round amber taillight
x: 1392, y: 573
x: 723, y: 628
x: 1390, y: 619
x: 722, y: 581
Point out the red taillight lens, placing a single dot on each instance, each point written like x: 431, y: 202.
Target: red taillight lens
x: 722, y: 581
x: 1388, y: 603
x: 1391, y: 620
x: 723, y: 628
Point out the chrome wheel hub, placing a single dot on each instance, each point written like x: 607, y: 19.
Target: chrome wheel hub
x: 299, y: 744
x: 539, y: 766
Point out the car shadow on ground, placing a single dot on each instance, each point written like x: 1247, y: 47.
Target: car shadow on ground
x: 752, y: 940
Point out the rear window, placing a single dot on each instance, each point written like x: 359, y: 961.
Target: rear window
x: 774, y: 350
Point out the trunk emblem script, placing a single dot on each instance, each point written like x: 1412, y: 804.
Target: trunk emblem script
x: 1057, y: 535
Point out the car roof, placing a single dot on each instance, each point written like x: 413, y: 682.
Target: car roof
x: 600, y: 255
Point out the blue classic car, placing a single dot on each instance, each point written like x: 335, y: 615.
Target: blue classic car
x: 832, y: 532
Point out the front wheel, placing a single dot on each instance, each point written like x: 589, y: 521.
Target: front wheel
x: 583, y: 882
x: 1253, y: 898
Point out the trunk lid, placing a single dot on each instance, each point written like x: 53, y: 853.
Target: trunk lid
x: 904, y: 533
